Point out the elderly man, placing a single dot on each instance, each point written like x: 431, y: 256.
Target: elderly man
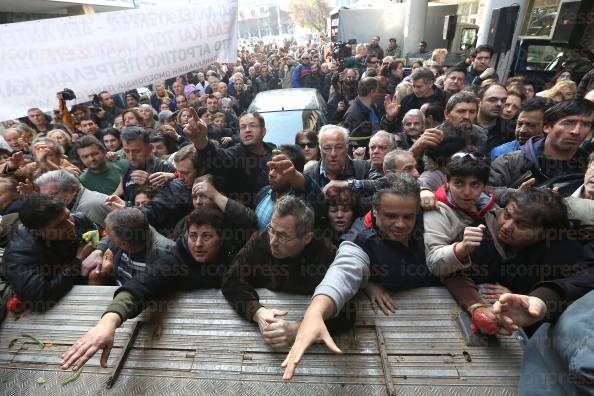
x: 413, y: 125
x: 284, y: 257
x: 499, y: 131
x: 558, y: 153
x: 335, y: 163
x: 529, y: 124
x: 380, y: 144
x: 39, y: 121
x: 424, y: 91
x: 395, y: 231
x: 242, y: 166
x: 67, y: 188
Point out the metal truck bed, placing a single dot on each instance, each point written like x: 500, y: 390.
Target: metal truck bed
x: 200, y: 346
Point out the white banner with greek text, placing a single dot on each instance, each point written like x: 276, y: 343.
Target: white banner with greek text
x: 112, y: 51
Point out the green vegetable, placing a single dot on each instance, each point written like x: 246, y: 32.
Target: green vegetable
x: 92, y: 236
x: 41, y: 344
x: 73, y: 377
x: 40, y: 380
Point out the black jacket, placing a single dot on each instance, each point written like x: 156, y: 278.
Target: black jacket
x: 40, y: 271
x: 172, y: 202
x: 411, y: 101
x: 177, y: 272
x: 241, y: 173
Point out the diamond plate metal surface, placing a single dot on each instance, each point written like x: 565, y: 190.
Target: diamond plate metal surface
x: 195, y: 344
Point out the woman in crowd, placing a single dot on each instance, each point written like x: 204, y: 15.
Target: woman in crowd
x: 132, y: 117
x: 465, y: 208
x: 148, y: 115
x: 307, y: 139
x: 65, y: 141
x: 563, y: 75
x: 341, y: 212
x: 563, y: 90
x: 183, y: 117
x: 113, y: 144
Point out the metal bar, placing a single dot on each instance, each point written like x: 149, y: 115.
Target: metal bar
x: 120, y: 363
x: 381, y: 344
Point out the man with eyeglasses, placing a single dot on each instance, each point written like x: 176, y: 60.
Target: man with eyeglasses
x: 286, y: 257
x: 392, y: 229
x: 242, y: 167
x: 335, y: 163
x: 302, y: 73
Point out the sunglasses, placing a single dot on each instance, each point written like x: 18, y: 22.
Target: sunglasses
x: 475, y: 156
x: 309, y: 145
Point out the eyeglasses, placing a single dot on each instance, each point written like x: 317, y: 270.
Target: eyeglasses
x: 282, y: 237
x: 309, y: 145
x: 329, y: 149
x: 475, y: 156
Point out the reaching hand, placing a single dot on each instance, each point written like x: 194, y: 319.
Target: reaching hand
x: 392, y: 108
x: 263, y: 315
x: 379, y: 297
x: 159, y: 179
x: 528, y: 183
x: 312, y: 329
x: 99, y: 337
x: 280, y: 333
x: 517, y: 310
x: 492, y: 292
x: 338, y: 184
x: 206, y: 189
x: 359, y: 153
x: 428, y: 201
x: 472, y: 239
x: 196, y: 128
x: 25, y: 188
x: 115, y: 202
x: 139, y: 177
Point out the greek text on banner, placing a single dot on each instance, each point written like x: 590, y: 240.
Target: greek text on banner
x: 112, y: 51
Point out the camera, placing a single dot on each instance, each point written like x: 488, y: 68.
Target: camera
x: 341, y: 49
x: 67, y: 94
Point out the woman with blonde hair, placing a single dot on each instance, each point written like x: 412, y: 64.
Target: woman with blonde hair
x: 148, y: 114
x: 563, y: 90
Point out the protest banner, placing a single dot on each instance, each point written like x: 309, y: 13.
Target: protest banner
x: 112, y: 51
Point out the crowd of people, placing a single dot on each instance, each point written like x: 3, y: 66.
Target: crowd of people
x: 445, y: 176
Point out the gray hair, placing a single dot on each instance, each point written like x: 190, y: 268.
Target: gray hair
x: 186, y: 152
x: 402, y: 185
x: 289, y: 205
x: 384, y: 134
x: 414, y: 113
x: 389, y: 164
x: 56, y: 147
x: 65, y: 181
x: 461, y: 97
x: 329, y: 128
x: 422, y: 73
x: 129, y: 225
x: 63, y: 133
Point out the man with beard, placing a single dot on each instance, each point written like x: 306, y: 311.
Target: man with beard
x: 499, y: 131
x: 460, y: 114
x: 100, y: 175
x: 529, y: 123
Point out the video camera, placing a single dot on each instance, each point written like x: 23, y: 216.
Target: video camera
x: 342, y: 50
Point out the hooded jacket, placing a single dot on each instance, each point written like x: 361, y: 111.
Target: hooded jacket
x: 444, y: 228
x: 511, y: 169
